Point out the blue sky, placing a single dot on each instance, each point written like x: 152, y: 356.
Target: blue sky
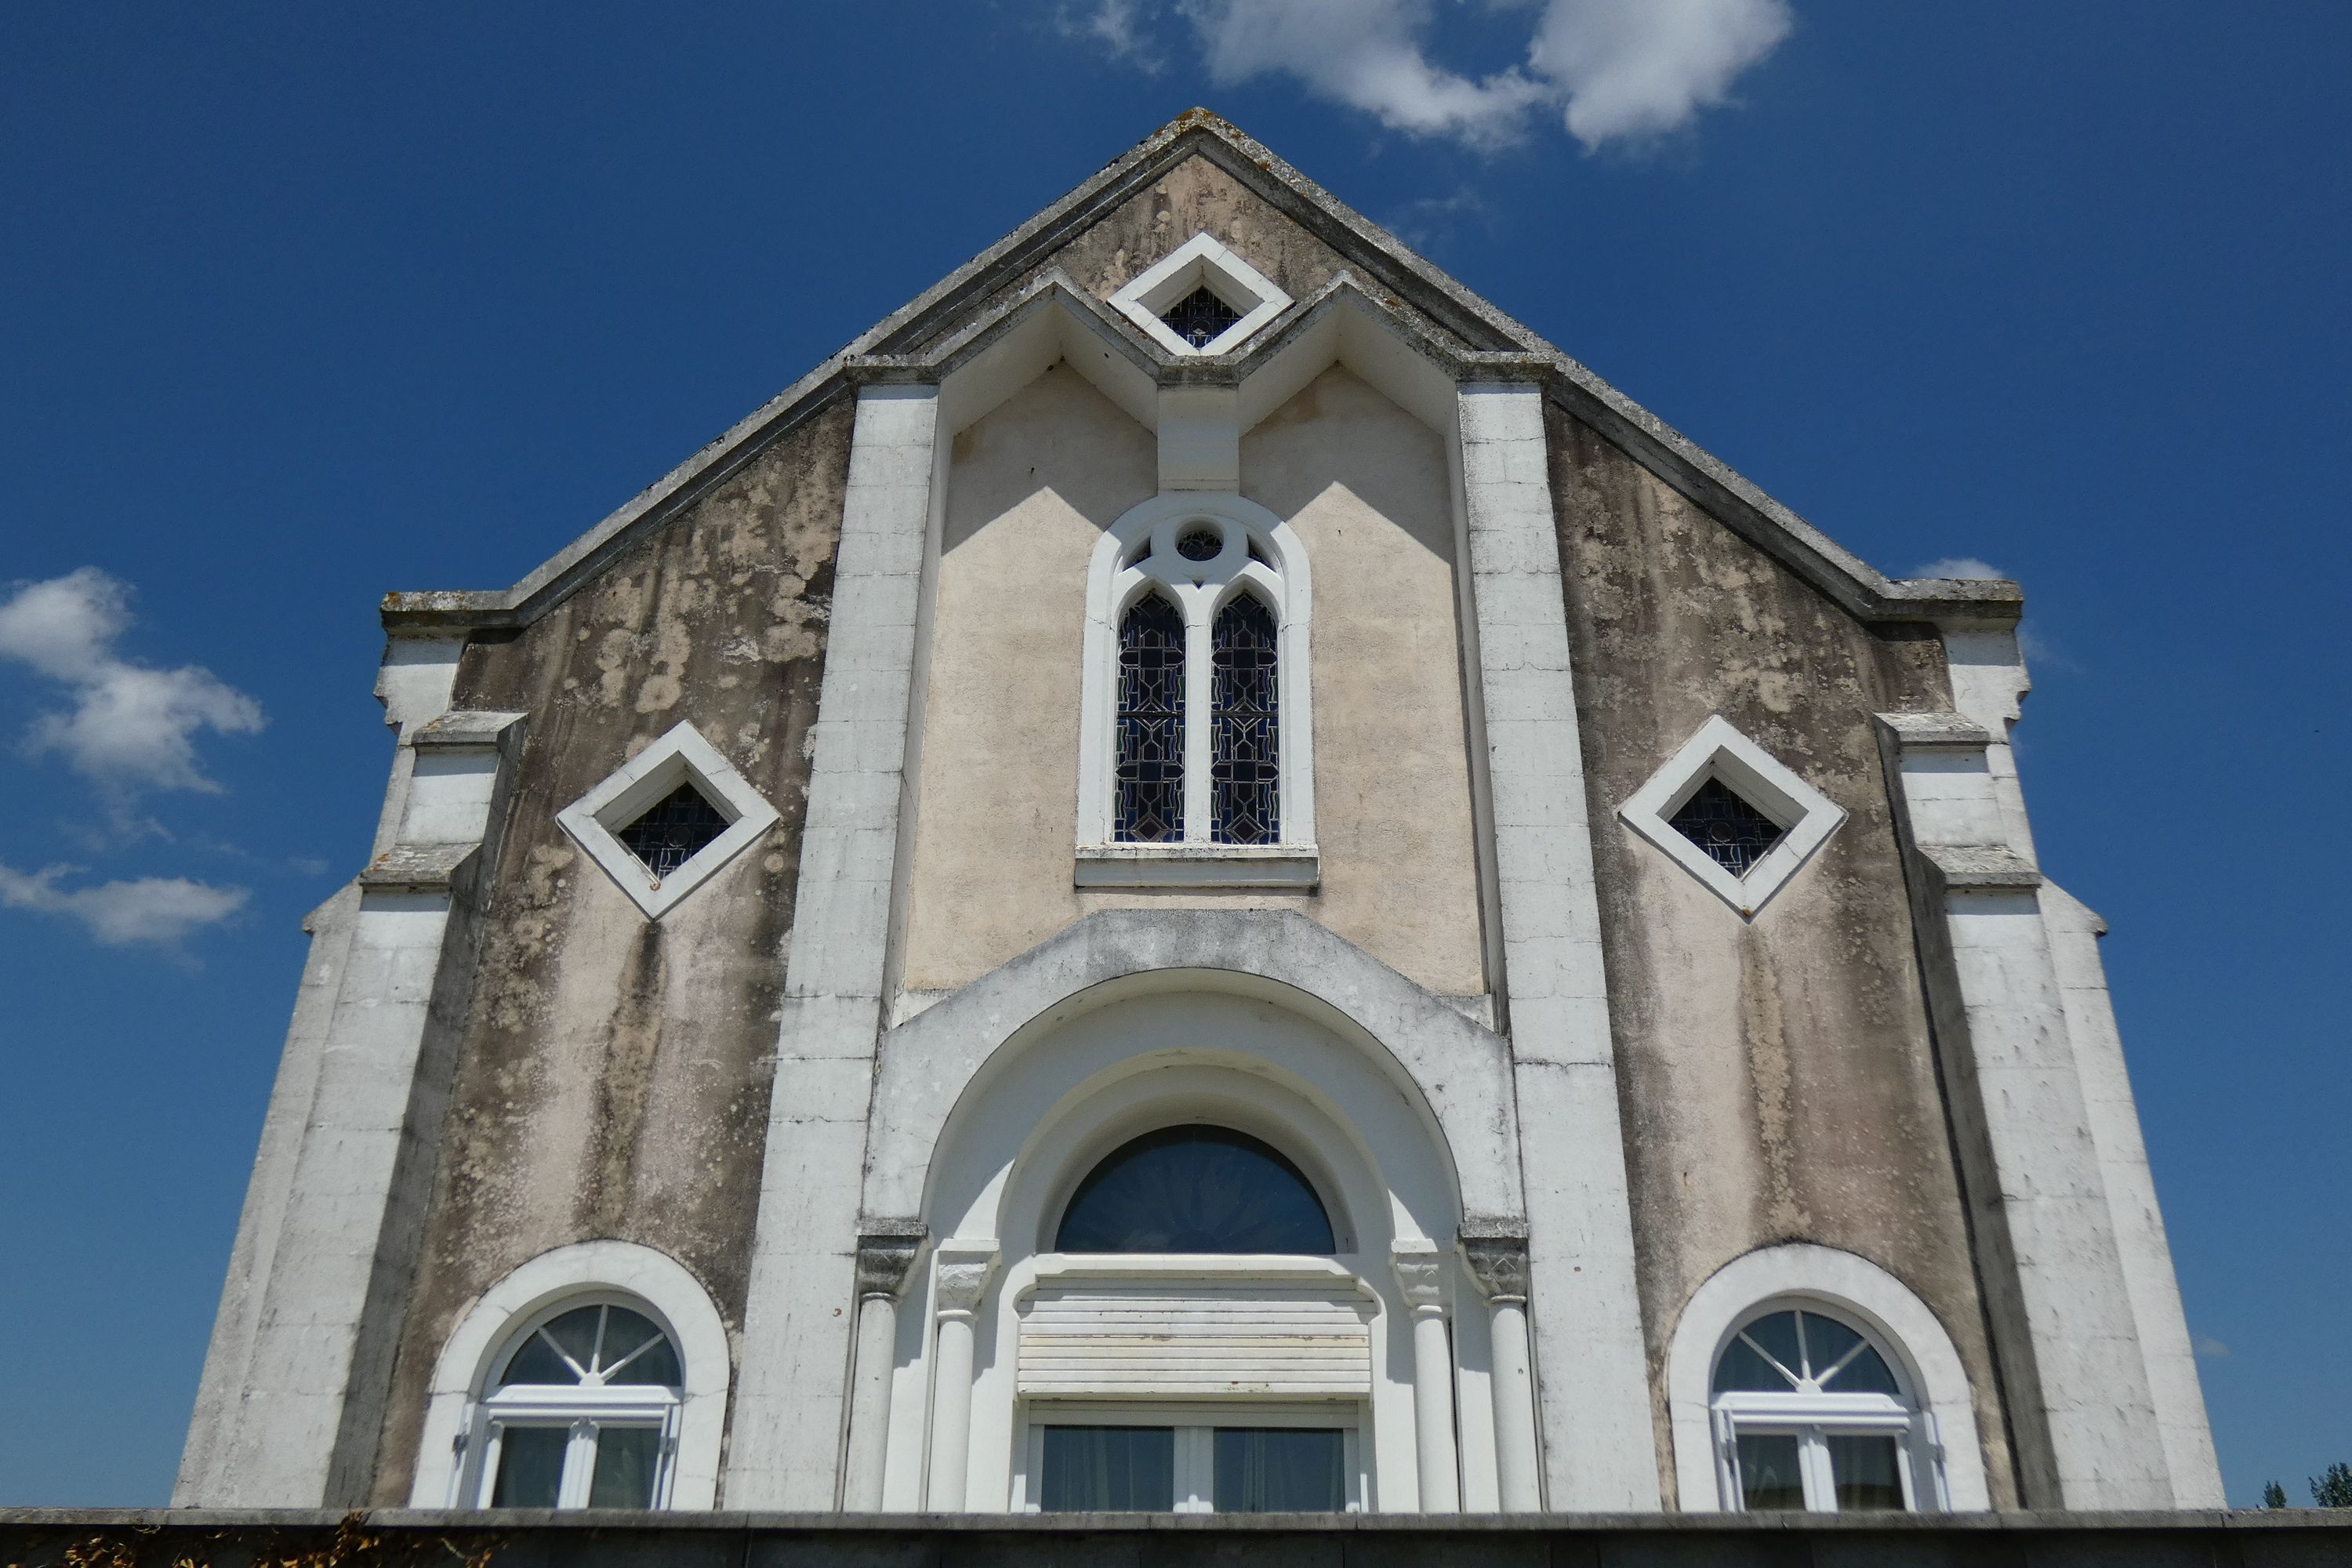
x: 298, y: 304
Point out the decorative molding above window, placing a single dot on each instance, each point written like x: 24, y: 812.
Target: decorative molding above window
x: 667, y: 820
x: 1196, y: 735
x: 1167, y: 300
x: 1732, y: 815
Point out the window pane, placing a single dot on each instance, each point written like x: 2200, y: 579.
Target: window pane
x: 575, y: 1332
x: 1865, y: 1474
x: 1280, y: 1469
x: 1831, y: 1341
x: 1148, y: 807
x: 530, y: 1466
x: 536, y: 1362
x: 1768, y: 1479
x: 1776, y: 1336
x: 625, y: 1460
x: 1246, y: 741
x: 627, y: 1346
x: 1097, y: 1470
x: 1195, y: 1189
x: 623, y: 1332
x: 1742, y: 1370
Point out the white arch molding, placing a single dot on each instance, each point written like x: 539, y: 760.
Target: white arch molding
x: 605, y: 1268
x: 1796, y: 1274
x: 1262, y: 555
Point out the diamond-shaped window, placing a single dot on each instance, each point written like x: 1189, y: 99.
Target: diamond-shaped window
x: 1201, y: 299
x: 1200, y: 317
x: 669, y: 819
x: 1729, y: 829
x: 1732, y: 815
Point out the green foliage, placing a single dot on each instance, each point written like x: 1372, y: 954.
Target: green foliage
x: 2274, y: 1495
x: 2333, y: 1490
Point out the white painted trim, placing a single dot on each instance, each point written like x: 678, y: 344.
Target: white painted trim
x: 1200, y: 261
x: 608, y: 1270
x: 1795, y: 1275
x: 1298, y: 867
x: 642, y: 783
x: 1718, y: 751
x: 1136, y: 555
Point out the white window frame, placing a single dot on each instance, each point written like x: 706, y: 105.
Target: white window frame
x: 596, y: 818
x: 1813, y: 1416
x: 1864, y: 1297
x: 1137, y: 555
x: 585, y: 1408
x: 461, y: 1409
x: 1201, y: 262
x: 1718, y: 751
x: 1196, y: 1424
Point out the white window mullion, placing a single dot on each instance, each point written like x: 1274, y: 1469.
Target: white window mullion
x: 1813, y: 1464
x: 579, y: 1465
x: 1198, y: 714
x: 1196, y: 1469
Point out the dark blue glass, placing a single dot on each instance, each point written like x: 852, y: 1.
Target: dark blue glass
x: 1245, y: 733
x: 1195, y: 1189
x: 1734, y: 833
x: 1148, y: 807
x: 1107, y: 1470
x: 1280, y: 1469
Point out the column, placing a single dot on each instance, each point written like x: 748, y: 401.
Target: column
x: 784, y: 1446
x: 1599, y: 1450
x: 886, y: 1256
x: 1499, y: 1264
x: 1420, y: 1271
x: 961, y: 1275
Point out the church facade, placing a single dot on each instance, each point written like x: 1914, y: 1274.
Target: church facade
x: 1202, y: 877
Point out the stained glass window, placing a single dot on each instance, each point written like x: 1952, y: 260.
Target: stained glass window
x: 674, y: 830
x: 1149, y: 806
x: 1195, y: 1189
x: 1245, y: 736
x: 1201, y: 318
x: 1730, y: 830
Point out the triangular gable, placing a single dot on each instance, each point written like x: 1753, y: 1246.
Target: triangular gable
x: 1349, y: 272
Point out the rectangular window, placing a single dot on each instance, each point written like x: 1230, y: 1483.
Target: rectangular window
x: 1284, y: 1466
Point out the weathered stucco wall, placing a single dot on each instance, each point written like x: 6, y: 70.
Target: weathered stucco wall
x: 614, y: 1076
x: 1030, y: 489
x: 1195, y: 196
x: 1777, y: 1077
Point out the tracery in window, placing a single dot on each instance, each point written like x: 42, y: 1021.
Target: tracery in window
x: 1734, y: 834
x: 1196, y: 1188
x: 1149, y: 777
x: 1245, y: 773
x: 1811, y: 1416
x: 581, y: 1414
x: 1201, y: 318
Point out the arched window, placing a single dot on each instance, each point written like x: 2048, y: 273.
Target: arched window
x: 1150, y: 770
x: 1245, y: 760
x: 1197, y: 736
x: 1195, y: 1189
x: 1809, y: 1414
x: 581, y: 1411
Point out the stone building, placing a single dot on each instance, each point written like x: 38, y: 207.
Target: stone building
x: 1201, y: 876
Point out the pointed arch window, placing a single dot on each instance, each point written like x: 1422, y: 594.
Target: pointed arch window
x: 1196, y: 733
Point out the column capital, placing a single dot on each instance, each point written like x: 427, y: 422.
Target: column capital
x: 1499, y: 1261
x: 886, y: 1250
x: 963, y: 1269
x: 1420, y: 1272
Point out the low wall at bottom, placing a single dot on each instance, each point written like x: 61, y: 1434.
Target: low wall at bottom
x: 73, y: 1537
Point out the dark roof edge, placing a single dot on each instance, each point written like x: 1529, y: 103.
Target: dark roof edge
x: 1389, y: 264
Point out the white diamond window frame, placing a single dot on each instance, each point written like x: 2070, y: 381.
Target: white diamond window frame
x: 596, y: 819
x: 1201, y: 263
x: 1805, y: 816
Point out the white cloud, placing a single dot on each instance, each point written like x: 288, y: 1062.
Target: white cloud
x: 130, y: 726
x: 2211, y: 1349
x: 1118, y: 26
x: 162, y: 911
x: 1966, y: 568
x: 1610, y: 69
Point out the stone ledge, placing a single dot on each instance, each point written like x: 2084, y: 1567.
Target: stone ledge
x: 1971, y: 866
x: 1295, y: 866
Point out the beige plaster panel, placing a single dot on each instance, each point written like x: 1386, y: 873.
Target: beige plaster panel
x: 1777, y: 1075
x: 1031, y: 488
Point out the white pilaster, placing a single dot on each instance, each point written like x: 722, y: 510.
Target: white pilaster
x: 1499, y: 1264
x: 1421, y: 1276
x: 1597, y: 1452
x: 785, y: 1450
x: 2073, y: 1371
x: 961, y: 1276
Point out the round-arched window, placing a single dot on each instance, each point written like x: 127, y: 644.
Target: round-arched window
x: 1195, y: 1188
x: 1811, y: 1415
x: 582, y: 1413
